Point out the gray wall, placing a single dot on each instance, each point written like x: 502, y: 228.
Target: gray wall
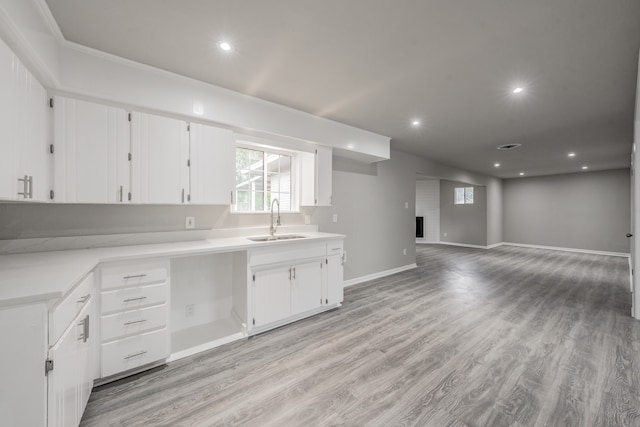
x: 583, y: 210
x: 463, y: 223
x: 369, y: 200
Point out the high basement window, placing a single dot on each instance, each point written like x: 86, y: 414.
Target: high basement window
x: 464, y: 195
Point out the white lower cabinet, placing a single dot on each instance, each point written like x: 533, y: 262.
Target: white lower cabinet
x: 71, y: 358
x: 292, y: 281
x: 271, y: 296
x: 134, y: 315
x: 306, y: 287
x: 332, y: 290
x: 71, y: 379
x: 282, y: 292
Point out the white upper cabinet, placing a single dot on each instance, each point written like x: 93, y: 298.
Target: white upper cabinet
x: 316, y: 174
x: 160, y: 150
x: 8, y: 146
x: 24, y: 172
x: 91, y: 152
x: 212, y: 165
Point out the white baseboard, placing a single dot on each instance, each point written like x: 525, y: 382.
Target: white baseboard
x: 424, y: 242
x: 495, y: 245
x: 558, y: 248
x: 378, y: 275
x: 464, y: 245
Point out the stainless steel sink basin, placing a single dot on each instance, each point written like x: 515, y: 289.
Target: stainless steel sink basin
x: 274, y: 238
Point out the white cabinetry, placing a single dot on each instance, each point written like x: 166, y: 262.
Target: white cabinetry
x: 212, y: 165
x: 271, y: 295
x: 293, y: 281
x: 316, y: 177
x: 134, y: 315
x: 332, y: 285
x: 23, y: 125
x: 282, y: 292
x: 306, y: 287
x: 91, y: 152
x: 71, y: 357
x: 71, y: 379
x: 160, y: 150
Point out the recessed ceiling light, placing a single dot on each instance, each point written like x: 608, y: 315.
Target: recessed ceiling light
x: 518, y: 89
x: 585, y: 168
x: 496, y: 165
x: 226, y: 46
x: 415, y: 122
x: 571, y: 154
x: 521, y: 173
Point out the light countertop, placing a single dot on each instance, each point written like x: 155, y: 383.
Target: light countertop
x: 47, y: 276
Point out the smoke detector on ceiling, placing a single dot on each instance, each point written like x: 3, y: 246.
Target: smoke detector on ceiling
x: 509, y: 146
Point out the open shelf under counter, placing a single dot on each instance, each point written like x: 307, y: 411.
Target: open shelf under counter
x: 196, y: 339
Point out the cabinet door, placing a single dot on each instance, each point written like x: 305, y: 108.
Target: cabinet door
x: 160, y: 148
x: 212, y: 165
x: 316, y: 177
x: 324, y: 171
x: 333, y: 287
x: 63, y: 393
x: 306, y: 288
x: 86, y: 356
x: 271, y: 296
x: 92, y: 143
x: 8, y: 146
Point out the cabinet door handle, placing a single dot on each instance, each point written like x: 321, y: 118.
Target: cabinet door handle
x: 84, y: 337
x: 135, y: 276
x: 121, y: 193
x: 289, y: 274
x: 294, y: 273
x: 135, y: 299
x: 84, y: 299
x: 25, y: 180
x: 133, y: 322
x: 183, y: 195
x: 140, y: 353
x: 30, y: 187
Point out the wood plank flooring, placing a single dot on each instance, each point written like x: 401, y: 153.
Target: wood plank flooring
x: 503, y: 337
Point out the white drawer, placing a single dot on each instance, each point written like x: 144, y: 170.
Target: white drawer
x: 128, y: 353
x: 133, y: 298
x: 132, y: 322
x: 335, y: 247
x: 133, y: 274
x: 64, y: 312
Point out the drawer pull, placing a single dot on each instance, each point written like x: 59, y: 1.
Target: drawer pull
x: 135, y: 299
x: 136, y: 276
x: 135, y: 354
x: 84, y: 298
x: 133, y: 322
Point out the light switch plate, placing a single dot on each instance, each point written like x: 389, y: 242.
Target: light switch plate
x: 335, y: 217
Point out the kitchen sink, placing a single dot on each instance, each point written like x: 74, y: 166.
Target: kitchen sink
x: 274, y: 238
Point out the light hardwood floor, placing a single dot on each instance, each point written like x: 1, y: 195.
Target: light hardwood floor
x: 502, y: 337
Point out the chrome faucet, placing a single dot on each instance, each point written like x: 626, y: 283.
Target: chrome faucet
x: 273, y: 228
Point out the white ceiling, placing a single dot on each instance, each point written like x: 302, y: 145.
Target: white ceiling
x: 378, y: 64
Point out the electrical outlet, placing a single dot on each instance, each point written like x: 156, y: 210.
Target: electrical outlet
x: 404, y: 251
x: 445, y: 234
x: 335, y: 217
x: 190, y: 310
x: 190, y: 222
x: 307, y: 219
x: 406, y: 205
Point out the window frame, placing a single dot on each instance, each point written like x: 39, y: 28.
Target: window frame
x: 464, y: 195
x: 295, y: 176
